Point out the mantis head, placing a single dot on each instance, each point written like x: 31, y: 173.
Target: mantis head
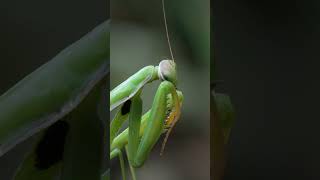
x: 167, y: 71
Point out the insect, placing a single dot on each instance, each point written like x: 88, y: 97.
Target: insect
x: 144, y: 130
x: 61, y: 105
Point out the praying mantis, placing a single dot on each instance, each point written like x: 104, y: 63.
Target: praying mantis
x: 162, y: 116
x: 144, y: 130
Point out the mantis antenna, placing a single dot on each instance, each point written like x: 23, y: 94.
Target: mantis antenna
x: 176, y: 115
x: 166, y: 26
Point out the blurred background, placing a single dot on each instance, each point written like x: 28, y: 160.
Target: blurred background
x: 267, y: 53
x: 31, y: 33
x: 138, y: 39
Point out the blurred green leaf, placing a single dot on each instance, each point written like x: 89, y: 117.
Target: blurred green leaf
x: 61, y: 104
x: 225, y: 112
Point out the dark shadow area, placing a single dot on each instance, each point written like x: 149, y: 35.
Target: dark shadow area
x: 267, y: 54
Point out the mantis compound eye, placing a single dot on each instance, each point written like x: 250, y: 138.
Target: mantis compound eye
x: 167, y: 71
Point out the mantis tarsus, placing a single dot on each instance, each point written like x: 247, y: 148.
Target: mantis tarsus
x: 144, y: 130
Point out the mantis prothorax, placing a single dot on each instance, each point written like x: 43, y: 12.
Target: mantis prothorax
x: 144, y: 130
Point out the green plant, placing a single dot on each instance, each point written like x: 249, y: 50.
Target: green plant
x: 61, y: 104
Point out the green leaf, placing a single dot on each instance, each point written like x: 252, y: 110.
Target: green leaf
x: 225, y: 112
x: 60, y: 103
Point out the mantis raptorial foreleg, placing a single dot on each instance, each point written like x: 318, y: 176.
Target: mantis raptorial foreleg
x: 138, y: 151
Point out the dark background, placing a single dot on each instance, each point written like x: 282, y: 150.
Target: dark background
x: 267, y: 53
x: 34, y: 31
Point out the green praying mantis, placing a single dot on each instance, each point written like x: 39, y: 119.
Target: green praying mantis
x: 144, y: 130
